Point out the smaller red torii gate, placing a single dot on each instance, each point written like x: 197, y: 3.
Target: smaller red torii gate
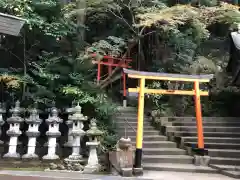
x: 113, y: 62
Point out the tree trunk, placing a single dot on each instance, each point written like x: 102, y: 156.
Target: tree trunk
x: 81, y: 5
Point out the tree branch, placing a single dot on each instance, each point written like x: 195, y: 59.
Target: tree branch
x: 148, y: 33
x: 123, y: 19
x: 130, y: 11
x: 18, y: 58
x: 143, y: 28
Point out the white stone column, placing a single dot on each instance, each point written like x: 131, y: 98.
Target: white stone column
x: 14, y: 131
x: 52, y: 133
x: 34, y: 121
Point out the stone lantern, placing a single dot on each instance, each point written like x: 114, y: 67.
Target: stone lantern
x: 53, y: 132
x: 2, y: 111
x: 69, y: 124
x: 33, y: 132
x: 77, y: 132
x: 93, y: 133
x: 14, y: 131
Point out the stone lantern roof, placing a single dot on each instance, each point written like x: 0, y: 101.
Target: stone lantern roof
x: 54, y: 117
x: 94, y: 131
x: 34, y: 117
x: 77, y: 116
x: 15, y: 114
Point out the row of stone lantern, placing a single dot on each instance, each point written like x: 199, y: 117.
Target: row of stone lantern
x: 75, y: 122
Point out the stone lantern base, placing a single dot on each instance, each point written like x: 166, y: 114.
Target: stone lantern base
x: 71, y: 160
x: 91, y: 169
x: 30, y: 156
x: 12, y: 156
x: 50, y: 157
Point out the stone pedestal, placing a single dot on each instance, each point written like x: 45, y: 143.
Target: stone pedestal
x: 126, y: 172
x: 201, y: 160
x: 52, y: 133
x: 92, y: 165
x: 34, y: 121
x: 138, y: 171
x: 201, y: 157
x: 122, y: 158
x: 14, y: 132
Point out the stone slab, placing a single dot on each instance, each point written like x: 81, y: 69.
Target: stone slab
x: 28, y: 175
x: 183, y: 176
x: 148, y: 175
x: 233, y: 174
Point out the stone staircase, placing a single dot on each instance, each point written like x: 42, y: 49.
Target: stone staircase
x: 159, y: 154
x: 221, y: 136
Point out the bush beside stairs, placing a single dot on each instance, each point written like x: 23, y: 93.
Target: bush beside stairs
x: 159, y: 154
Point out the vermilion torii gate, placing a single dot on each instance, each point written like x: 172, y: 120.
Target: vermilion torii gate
x: 142, y: 90
x: 113, y: 62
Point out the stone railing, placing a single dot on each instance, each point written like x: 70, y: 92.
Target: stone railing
x: 23, y: 140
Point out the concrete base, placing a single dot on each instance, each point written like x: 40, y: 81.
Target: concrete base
x: 30, y: 156
x: 75, y: 157
x: 50, y: 157
x: 124, y: 103
x: 75, y: 161
x: 12, y: 156
x: 91, y: 169
x: 127, y: 172
x: 138, y: 171
x: 201, y: 160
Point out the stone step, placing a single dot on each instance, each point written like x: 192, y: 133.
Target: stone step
x: 205, y: 124
x: 224, y: 167
x: 129, y: 108
x: 231, y: 153
x: 225, y: 161
x: 158, y: 144
x: 212, y: 139
x: 121, y: 128
x: 133, y: 133
x: 216, y: 145
x: 150, y: 138
x: 178, y: 168
x: 206, y: 129
x: 233, y: 174
x: 205, y: 119
x: 132, y: 118
x: 163, y: 151
x: 133, y: 123
x: 176, y: 159
x: 206, y: 134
